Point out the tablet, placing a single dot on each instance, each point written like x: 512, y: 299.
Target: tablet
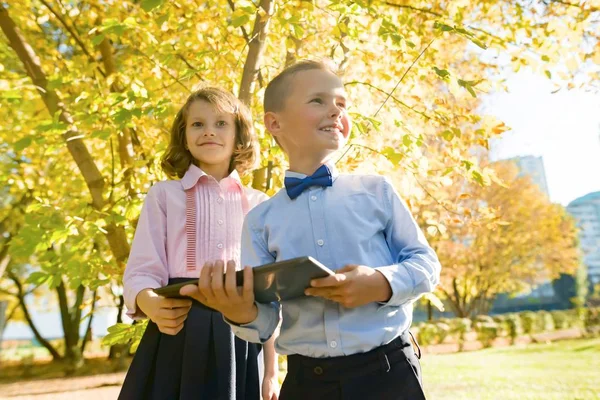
x: 282, y: 280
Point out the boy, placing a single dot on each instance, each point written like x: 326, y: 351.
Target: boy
x: 348, y: 339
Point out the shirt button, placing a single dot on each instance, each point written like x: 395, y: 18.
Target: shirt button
x: 318, y: 370
x: 320, y: 242
x: 220, y: 245
x: 220, y: 222
x: 220, y: 200
x: 333, y: 344
x: 313, y: 198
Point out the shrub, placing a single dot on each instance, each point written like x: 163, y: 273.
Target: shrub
x: 427, y: 334
x: 529, y: 322
x: 545, y: 321
x: 459, y: 327
x: 514, y: 325
x: 486, y: 332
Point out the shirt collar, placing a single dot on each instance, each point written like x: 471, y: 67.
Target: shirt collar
x: 194, y: 174
x: 330, y: 165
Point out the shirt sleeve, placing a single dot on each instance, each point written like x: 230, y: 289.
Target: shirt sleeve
x: 255, y: 253
x: 417, y: 268
x: 147, y: 266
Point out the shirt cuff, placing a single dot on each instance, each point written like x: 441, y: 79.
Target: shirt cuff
x: 141, y: 283
x: 261, y: 329
x: 401, y: 283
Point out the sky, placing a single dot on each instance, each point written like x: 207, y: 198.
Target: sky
x: 563, y: 128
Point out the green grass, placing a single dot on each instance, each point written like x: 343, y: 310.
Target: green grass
x: 565, y: 370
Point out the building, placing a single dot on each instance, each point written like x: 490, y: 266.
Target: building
x: 534, y: 168
x: 586, y: 210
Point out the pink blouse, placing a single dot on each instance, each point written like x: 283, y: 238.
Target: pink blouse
x: 159, y: 246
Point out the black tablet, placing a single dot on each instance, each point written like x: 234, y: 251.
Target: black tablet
x: 282, y: 280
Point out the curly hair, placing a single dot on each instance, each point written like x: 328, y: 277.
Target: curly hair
x: 177, y: 158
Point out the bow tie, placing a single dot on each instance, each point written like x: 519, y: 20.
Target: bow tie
x: 295, y: 186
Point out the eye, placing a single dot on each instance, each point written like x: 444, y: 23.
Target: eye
x: 341, y: 105
x: 317, y: 100
x: 221, y: 123
x: 197, y: 124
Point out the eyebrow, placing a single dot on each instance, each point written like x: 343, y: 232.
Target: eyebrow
x: 199, y: 118
x: 324, y: 94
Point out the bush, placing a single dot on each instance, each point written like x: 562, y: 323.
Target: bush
x: 514, y: 325
x: 486, y: 332
x: 459, y: 328
x: 529, y: 321
x: 427, y: 333
x: 545, y: 321
x: 562, y: 320
x: 592, y: 320
x: 443, y: 330
x: 503, y: 326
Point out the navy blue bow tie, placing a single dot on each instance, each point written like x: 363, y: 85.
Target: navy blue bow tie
x: 295, y: 186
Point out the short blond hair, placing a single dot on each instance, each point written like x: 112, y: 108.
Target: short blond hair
x: 278, y: 90
x: 177, y: 158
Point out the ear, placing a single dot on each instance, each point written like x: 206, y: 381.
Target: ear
x: 272, y: 123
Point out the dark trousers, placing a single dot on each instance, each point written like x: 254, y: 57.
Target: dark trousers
x: 390, y: 372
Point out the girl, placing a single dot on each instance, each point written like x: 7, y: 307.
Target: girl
x: 188, y: 351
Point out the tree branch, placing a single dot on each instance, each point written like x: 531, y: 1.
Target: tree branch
x: 74, y: 35
x: 88, y: 331
x: 421, y: 10
x: 397, y: 100
x: 580, y: 6
x: 255, y: 49
x: 32, y: 326
x: 232, y: 5
x: 94, y: 180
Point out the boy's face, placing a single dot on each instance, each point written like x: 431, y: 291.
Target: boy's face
x: 314, y: 120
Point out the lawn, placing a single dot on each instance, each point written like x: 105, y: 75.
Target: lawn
x: 564, y: 370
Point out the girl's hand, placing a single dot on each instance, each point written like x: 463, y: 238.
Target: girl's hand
x: 235, y: 303
x: 167, y: 314
x: 270, y: 387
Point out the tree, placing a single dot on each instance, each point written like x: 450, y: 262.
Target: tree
x: 89, y: 90
x: 526, y: 240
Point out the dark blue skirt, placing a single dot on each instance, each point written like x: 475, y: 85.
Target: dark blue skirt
x: 203, y: 361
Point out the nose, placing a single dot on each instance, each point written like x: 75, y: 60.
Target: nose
x: 209, y: 133
x: 335, y: 111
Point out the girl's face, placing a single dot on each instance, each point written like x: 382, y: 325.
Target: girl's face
x: 210, y: 137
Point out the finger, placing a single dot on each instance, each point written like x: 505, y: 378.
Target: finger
x: 230, y: 281
x: 193, y: 292
x: 248, y: 287
x: 204, y: 283
x: 177, y: 303
x: 347, y: 268
x: 320, y: 292
x: 172, y: 314
x: 333, y: 280
x: 174, y: 323
x: 217, y: 283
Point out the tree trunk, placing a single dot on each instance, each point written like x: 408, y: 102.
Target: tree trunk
x: 429, y: 311
x: 3, y: 319
x: 79, y: 152
x: 88, y: 331
x: 119, y: 351
x: 38, y: 336
x: 71, y: 319
x: 255, y: 50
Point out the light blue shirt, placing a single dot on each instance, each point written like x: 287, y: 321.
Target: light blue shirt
x: 359, y: 220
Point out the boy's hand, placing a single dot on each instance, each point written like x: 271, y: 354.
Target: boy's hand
x: 270, y: 388
x: 352, y: 286
x: 167, y: 314
x: 235, y: 303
